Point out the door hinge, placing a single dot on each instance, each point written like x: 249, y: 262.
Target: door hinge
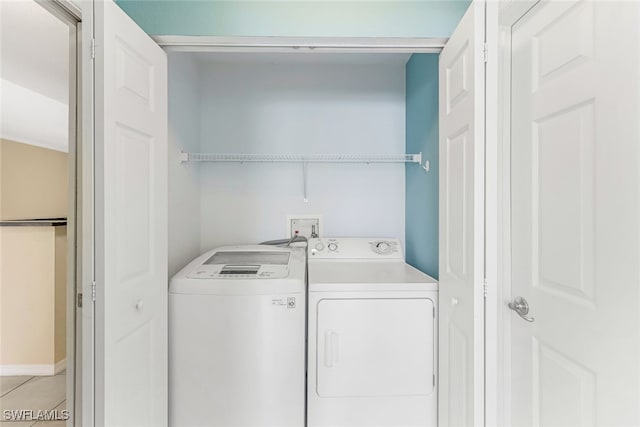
x: 485, y: 288
x: 79, y: 300
x: 93, y: 291
x: 93, y: 48
x: 485, y: 52
x: 434, y: 380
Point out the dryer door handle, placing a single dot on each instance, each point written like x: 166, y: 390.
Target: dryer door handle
x: 330, y: 348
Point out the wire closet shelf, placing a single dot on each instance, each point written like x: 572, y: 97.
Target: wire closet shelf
x: 304, y: 160
x: 301, y: 158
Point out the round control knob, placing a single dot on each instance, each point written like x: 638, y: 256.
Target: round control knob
x: 382, y: 246
x: 332, y: 246
x: 319, y: 246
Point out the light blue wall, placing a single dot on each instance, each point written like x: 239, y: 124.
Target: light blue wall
x: 315, y: 18
x: 422, y: 188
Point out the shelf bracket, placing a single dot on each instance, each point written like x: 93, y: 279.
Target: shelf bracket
x: 417, y: 158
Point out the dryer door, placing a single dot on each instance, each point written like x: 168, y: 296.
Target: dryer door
x: 375, y: 347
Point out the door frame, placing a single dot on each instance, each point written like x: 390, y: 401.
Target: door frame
x: 86, y: 110
x: 86, y: 241
x: 69, y: 13
x: 301, y: 45
x: 498, y: 230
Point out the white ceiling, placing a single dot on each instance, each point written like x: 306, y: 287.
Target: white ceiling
x: 34, y: 73
x: 35, y: 49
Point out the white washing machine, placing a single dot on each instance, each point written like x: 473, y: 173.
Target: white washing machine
x: 372, y: 336
x: 237, y: 338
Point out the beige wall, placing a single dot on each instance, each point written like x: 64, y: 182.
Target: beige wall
x: 32, y: 295
x: 33, y: 181
x: 33, y: 266
x: 27, y: 293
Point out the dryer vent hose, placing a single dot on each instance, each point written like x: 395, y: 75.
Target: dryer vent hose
x: 285, y: 242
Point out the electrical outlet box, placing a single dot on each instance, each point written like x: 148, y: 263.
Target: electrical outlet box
x: 305, y: 225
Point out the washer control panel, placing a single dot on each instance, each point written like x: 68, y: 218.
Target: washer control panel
x: 355, y: 248
x: 239, y: 272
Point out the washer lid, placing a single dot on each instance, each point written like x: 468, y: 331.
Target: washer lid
x: 243, y: 270
x: 361, y: 275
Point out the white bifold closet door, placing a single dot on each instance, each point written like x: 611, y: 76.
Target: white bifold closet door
x: 130, y: 78
x: 461, y: 241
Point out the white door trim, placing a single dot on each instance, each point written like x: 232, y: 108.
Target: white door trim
x: 492, y: 176
x: 86, y: 216
x: 300, y: 44
x: 498, y: 260
x: 71, y: 7
x: 70, y: 14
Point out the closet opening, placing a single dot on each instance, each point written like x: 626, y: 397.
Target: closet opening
x: 264, y: 131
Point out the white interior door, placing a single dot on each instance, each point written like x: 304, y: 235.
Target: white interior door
x: 130, y: 222
x: 575, y: 217
x: 461, y: 269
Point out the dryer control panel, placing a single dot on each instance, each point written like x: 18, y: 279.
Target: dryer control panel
x: 355, y: 248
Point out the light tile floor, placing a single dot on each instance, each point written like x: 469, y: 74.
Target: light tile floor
x: 33, y: 393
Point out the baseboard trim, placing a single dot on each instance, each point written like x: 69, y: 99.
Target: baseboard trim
x: 33, y: 370
x: 60, y: 366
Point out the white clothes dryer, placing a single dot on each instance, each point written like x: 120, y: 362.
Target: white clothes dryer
x: 372, y: 336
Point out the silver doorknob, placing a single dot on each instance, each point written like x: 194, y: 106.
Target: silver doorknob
x: 520, y: 306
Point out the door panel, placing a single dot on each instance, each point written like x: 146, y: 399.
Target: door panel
x: 575, y: 227
x: 461, y: 400
x: 131, y: 222
x: 387, y: 350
